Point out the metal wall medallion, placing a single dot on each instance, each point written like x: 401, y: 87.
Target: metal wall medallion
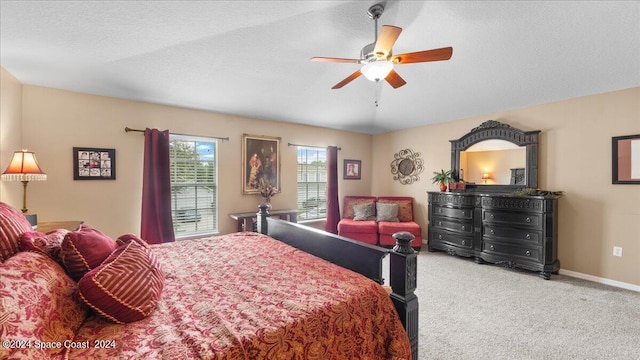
x: 406, y: 166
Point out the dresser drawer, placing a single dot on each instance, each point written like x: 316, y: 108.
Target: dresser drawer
x: 525, y: 252
x: 463, y: 214
x: 512, y: 218
x: 522, y: 236
x: 460, y: 227
x: 513, y: 203
x: 443, y: 237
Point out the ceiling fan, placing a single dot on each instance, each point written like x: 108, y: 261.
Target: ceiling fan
x: 377, y: 57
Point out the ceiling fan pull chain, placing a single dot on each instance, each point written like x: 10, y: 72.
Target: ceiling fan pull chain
x: 377, y: 90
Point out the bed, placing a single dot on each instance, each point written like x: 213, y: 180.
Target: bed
x: 237, y: 296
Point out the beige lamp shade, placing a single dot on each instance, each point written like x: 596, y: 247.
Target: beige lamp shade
x: 23, y: 167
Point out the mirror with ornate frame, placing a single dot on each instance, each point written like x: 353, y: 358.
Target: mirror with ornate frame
x: 499, y: 169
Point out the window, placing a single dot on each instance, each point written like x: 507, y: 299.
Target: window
x: 312, y: 183
x: 194, y: 190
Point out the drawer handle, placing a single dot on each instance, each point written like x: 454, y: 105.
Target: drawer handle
x: 439, y: 223
x: 528, y: 253
x: 464, y: 242
x: 492, y: 216
x: 492, y: 232
x: 439, y: 237
x: 492, y: 247
x: 440, y: 211
x: 528, y: 219
x: 463, y: 227
x: 528, y: 236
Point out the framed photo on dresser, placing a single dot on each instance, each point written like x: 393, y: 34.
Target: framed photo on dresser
x: 94, y: 164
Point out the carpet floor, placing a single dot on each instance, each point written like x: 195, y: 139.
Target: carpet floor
x: 473, y: 311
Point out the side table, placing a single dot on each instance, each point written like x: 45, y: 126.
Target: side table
x: 247, y: 220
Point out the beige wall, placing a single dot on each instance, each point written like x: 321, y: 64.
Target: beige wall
x: 574, y: 157
x: 10, y: 133
x: 54, y: 121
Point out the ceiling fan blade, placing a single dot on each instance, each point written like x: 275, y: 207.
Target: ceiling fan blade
x: 423, y: 56
x: 347, y: 80
x: 387, y: 37
x: 338, y: 60
x: 394, y: 79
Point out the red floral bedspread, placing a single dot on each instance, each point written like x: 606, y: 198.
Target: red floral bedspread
x: 247, y: 296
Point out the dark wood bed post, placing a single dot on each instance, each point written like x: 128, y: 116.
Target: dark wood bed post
x: 403, y: 266
x: 360, y: 257
x: 263, y: 214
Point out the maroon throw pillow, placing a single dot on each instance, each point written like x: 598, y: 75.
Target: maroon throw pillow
x: 48, y: 244
x: 84, y: 250
x: 126, y: 287
x: 12, y: 225
x: 127, y: 238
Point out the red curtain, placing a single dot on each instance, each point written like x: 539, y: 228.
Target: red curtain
x: 333, y: 204
x: 157, y: 224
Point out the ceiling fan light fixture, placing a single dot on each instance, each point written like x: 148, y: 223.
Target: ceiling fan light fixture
x: 377, y: 70
x: 378, y: 59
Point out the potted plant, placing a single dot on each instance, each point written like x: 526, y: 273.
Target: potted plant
x: 443, y: 178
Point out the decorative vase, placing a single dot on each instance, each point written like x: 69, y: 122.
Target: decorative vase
x: 267, y: 203
x: 443, y: 187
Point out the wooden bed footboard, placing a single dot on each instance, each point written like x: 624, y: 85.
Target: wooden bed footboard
x: 359, y: 257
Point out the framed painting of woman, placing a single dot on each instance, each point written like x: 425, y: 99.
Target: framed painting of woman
x: 260, y: 160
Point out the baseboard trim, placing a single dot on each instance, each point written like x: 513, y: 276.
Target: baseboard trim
x: 600, y: 280
x: 597, y: 279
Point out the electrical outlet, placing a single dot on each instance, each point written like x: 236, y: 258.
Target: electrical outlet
x: 617, y: 251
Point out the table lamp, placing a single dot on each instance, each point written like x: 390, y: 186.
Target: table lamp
x: 24, y: 167
x: 486, y: 177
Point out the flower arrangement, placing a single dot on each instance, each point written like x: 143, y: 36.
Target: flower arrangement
x: 266, y: 189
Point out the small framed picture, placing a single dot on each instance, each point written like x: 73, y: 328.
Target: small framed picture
x: 625, y: 151
x: 352, y: 169
x: 94, y: 164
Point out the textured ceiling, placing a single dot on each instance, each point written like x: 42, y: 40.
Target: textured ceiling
x: 251, y: 58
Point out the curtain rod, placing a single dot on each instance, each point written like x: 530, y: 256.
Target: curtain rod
x: 128, y: 129
x: 311, y: 146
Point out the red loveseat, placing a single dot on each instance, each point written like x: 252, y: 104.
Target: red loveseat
x: 405, y: 222
x: 379, y: 231
x: 365, y: 230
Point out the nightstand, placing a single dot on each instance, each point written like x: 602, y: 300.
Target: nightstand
x: 45, y: 227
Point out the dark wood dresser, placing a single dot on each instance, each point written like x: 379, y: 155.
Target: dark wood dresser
x: 516, y: 231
